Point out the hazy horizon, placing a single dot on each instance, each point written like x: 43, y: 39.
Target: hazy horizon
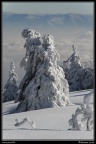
x: 48, y: 7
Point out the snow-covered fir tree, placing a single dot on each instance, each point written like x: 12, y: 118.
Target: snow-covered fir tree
x: 11, y: 87
x: 78, y: 76
x: 72, y: 68
x: 44, y: 84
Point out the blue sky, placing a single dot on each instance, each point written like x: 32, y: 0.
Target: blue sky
x: 48, y: 7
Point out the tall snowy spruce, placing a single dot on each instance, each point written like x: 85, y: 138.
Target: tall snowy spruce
x: 44, y: 84
x: 11, y: 87
x: 73, y: 70
x: 78, y: 76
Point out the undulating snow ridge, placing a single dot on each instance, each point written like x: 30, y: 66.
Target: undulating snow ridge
x: 44, y: 84
x: 11, y: 87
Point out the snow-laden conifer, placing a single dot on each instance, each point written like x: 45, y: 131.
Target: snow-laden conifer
x: 73, y: 70
x: 44, y: 84
x: 11, y: 87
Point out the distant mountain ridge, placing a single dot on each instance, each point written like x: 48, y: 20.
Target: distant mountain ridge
x: 52, y: 20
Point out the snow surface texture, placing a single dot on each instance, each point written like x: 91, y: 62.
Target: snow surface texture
x: 11, y: 87
x: 87, y: 97
x: 44, y: 84
x: 79, y: 78
x: 51, y: 124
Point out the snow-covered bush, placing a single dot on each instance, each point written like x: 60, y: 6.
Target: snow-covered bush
x: 78, y: 76
x: 11, y: 87
x: 87, y: 112
x: 44, y: 84
x: 76, y: 125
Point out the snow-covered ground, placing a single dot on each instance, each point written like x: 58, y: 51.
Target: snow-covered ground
x: 51, y: 123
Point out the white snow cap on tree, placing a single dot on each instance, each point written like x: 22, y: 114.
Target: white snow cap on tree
x: 44, y: 84
x: 11, y: 87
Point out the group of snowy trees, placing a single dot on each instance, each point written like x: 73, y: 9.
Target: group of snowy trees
x: 78, y: 76
x: 45, y: 84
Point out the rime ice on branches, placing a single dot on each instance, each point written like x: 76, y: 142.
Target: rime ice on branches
x: 44, y: 84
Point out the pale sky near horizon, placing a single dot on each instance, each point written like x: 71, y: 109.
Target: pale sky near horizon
x: 48, y: 7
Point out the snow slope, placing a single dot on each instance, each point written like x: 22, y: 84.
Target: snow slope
x: 51, y: 123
